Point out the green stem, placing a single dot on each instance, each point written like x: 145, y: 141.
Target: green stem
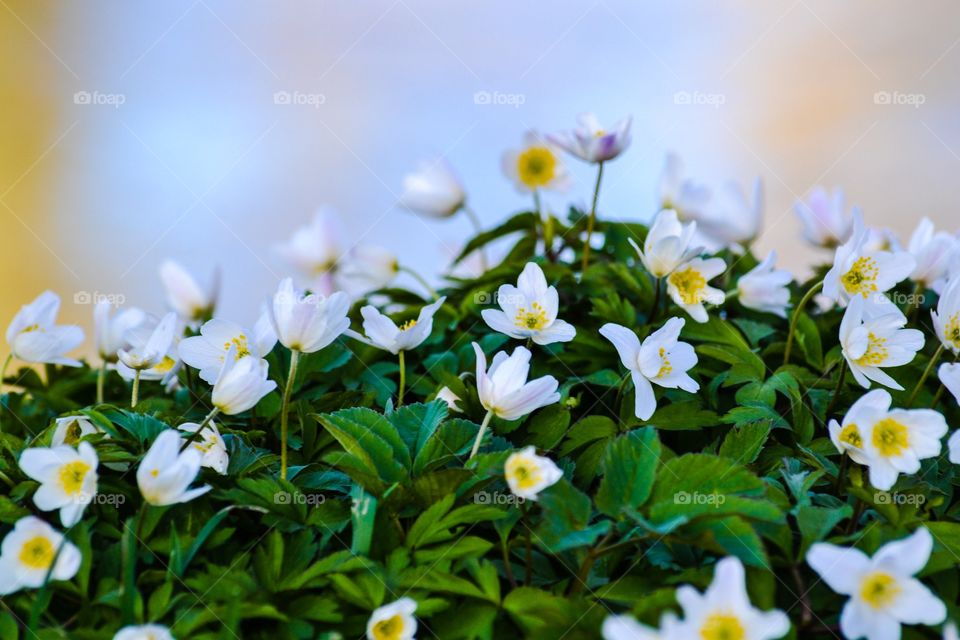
x: 196, y: 434
x: 656, y: 299
x: 926, y: 374
x: 403, y: 377
x: 284, y: 410
x: 528, y: 576
x: 101, y: 376
x: 836, y: 391
x: 478, y: 228
x: 842, y: 471
x: 481, y: 433
x: 591, y: 221
x: 795, y: 318
x: 3, y: 376
x: 536, y: 203
x: 423, y: 282
x: 135, y: 394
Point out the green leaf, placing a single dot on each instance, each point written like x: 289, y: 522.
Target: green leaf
x: 743, y: 443
x: 566, y: 517
x: 628, y: 468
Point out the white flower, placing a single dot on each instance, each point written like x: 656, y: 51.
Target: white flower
x: 528, y: 474
x: 208, y: 350
x: 383, y: 333
x: 667, y: 244
x: 536, y: 166
x: 953, y: 447
x: 34, y: 336
x: 144, y: 632
x: 764, y: 288
x: 368, y: 268
x: 731, y: 219
x: 529, y: 310
x: 504, y: 390
x: 688, y: 288
x: 165, y: 473
x: 28, y: 552
x: 242, y: 384
x: 684, y: 196
x: 883, y: 592
x: 185, y: 295
x: 626, y: 627
x: 434, y: 190
x: 950, y: 377
x: 110, y: 329
x: 825, y: 222
x: 70, y: 429
x: 313, y: 251
x: 150, y: 349
x: 933, y: 251
x: 210, y: 445
x: 67, y: 477
x: 858, y: 270
x: 724, y: 610
x: 660, y: 360
x: 394, y: 621
x: 450, y: 398
x: 591, y: 142
x: 946, y: 319
x: 308, y: 322
x: 873, y: 338
x: 848, y: 436
x: 950, y: 632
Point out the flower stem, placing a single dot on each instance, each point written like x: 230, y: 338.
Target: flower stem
x: 403, y: 378
x: 135, y: 394
x: 478, y: 228
x: 795, y: 318
x: 480, y: 434
x: 3, y: 376
x: 926, y: 374
x: 836, y: 392
x: 591, y: 221
x: 656, y: 299
x: 423, y: 282
x: 284, y: 410
x: 101, y: 376
x: 196, y: 434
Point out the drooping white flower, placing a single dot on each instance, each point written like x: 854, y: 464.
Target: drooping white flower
x: 661, y: 359
x: 529, y: 310
x: 883, y: 592
x: 307, y: 322
x: 731, y: 219
x: 946, y: 318
x: 314, y: 252
x: 70, y: 429
x: 873, y: 337
x: 152, y: 350
x: 144, y: 632
x: 28, y: 552
x: 210, y: 445
x: 668, y: 244
x: 536, y: 166
x: 67, y: 477
x: 824, y: 218
x: 528, y: 474
x: 933, y: 251
x: 682, y: 195
x: 111, y: 329
x: 859, y: 271
x: 765, y: 288
x: 504, y: 390
x: 185, y: 296
x: 383, y: 333
x: 434, y: 190
x: 165, y: 473
x: 688, y: 288
x: 367, y: 268
x: 591, y: 142
x: 34, y: 336
x: 394, y: 621
x: 624, y: 627
x: 450, y: 398
x: 208, y: 350
x: 242, y: 383
x: 724, y: 610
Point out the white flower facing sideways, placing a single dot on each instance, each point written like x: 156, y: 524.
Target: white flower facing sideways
x: 529, y: 310
x: 946, y: 318
x: 591, y: 142
x: 688, y: 288
x: 732, y: 218
x: 861, y: 271
x: 28, y: 552
x: 528, y: 474
x: 367, y: 268
x: 147, y: 351
x: 661, y: 360
x: 383, y: 333
x: 314, y: 251
x: 536, y: 166
x: 70, y: 429
x: 883, y: 592
x: 34, y: 336
x: 824, y: 219
x: 873, y: 337
x: 685, y: 196
x: 434, y: 190
x: 393, y: 621
x: 112, y: 328
x: 933, y: 252
x: 166, y: 473
x: 668, y: 244
x: 450, y: 398
x: 307, y: 322
x: 67, y: 477
x: 185, y: 296
x: 950, y: 378
x: 765, y: 288
x: 210, y: 445
x: 242, y: 383
x: 208, y: 350
x: 144, y: 632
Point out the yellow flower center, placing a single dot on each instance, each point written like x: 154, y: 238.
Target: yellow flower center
x: 876, y: 353
x: 689, y: 284
x: 665, y: 367
x: 73, y: 433
x: 240, y: 341
x: 890, y: 437
x: 862, y: 277
x: 389, y: 629
x: 879, y: 589
x: 952, y: 331
x: 536, y: 318
x: 524, y: 474
x: 165, y: 365
x: 33, y: 327
x: 409, y: 324
x: 72, y: 475
x: 722, y: 626
x: 850, y: 434
x: 536, y: 167
x: 37, y: 553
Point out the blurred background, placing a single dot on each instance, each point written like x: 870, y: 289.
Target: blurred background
x: 208, y: 130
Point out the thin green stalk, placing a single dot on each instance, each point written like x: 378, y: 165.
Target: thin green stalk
x: 135, y: 394
x: 481, y: 433
x: 196, y: 434
x: 284, y: 410
x: 423, y: 282
x: 101, y: 376
x: 656, y: 299
x: 591, y: 221
x: 403, y: 377
x: 3, y: 376
x: 836, y: 391
x: 926, y: 374
x: 795, y: 318
x: 479, y: 229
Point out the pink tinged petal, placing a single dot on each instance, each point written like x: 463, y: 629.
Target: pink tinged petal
x: 907, y: 556
x: 839, y: 567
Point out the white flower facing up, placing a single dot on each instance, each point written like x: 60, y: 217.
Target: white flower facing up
x: 529, y: 310
x: 241, y: 385
x: 208, y: 350
x: 933, y: 252
x: 688, y: 288
x: 883, y: 592
x: 661, y: 360
x: 147, y: 350
x: 765, y: 288
x: 210, y: 445
x: 684, y: 196
x: 860, y: 271
x: 946, y: 318
x: 28, y: 552
x: 111, y: 329
x: 185, y: 296
x: 34, y: 336
x: 394, y: 621
x: 67, y: 477
x: 873, y: 337
x: 536, y: 166
x: 434, y: 190
x: 503, y: 388
x: 144, y: 632
x: 383, y: 333
x: 307, y: 322
x: 528, y: 474
x: 824, y: 218
x: 591, y: 142
x: 668, y: 244
x: 165, y: 473
x: 314, y: 251
x: 70, y: 429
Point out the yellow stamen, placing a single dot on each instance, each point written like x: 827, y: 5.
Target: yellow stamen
x: 879, y: 589
x: 536, y: 318
x: 165, y: 365
x: 690, y: 285
x: 850, y: 434
x: 72, y: 475
x: 37, y: 553
x: 665, y: 367
x: 952, y: 331
x: 389, y: 629
x: 876, y: 353
x: 537, y: 167
x: 890, y: 437
x: 722, y: 626
x: 409, y: 324
x: 240, y: 341
x: 524, y: 473
x: 862, y: 277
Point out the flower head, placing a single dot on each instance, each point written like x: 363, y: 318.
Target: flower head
x: 185, y: 296
x: 732, y: 218
x: 591, y: 142
x: 434, y: 190
x: 29, y: 551
x: 70, y: 429
x: 34, y: 336
x: 536, y: 166
x: 764, y: 288
x: 688, y: 288
x: 682, y: 195
x: 504, y: 390
x: 314, y: 251
x: 368, y: 268
x: 824, y: 219
x: 111, y: 329
x: 144, y: 632
x: 667, y: 245
x: 873, y: 338
x: 450, y: 398
x: 242, y: 383
x: 67, y: 477
x: 208, y: 351
x: 308, y: 322
x: 151, y: 348
x: 165, y: 473
x: 625, y: 627
x: 529, y: 310
x: 383, y: 333
x: 946, y: 318
x: 394, y: 621
x: 933, y: 252
x: 528, y: 474
x: 210, y: 445
x: 949, y: 374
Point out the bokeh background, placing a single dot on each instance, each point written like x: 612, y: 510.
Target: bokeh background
x: 185, y: 151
